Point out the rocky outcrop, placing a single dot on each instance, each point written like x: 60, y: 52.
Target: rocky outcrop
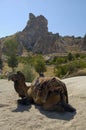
x: 48, y: 45
x: 36, y: 27
x: 36, y: 38
x: 83, y: 44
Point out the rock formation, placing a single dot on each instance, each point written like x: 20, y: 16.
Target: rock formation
x: 36, y: 38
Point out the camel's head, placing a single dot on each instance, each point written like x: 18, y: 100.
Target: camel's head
x: 19, y: 76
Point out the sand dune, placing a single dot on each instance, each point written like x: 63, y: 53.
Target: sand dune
x: 17, y: 117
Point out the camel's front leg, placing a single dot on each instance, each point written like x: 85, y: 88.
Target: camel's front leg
x: 25, y: 101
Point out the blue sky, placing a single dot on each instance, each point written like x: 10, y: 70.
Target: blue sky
x: 66, y: 17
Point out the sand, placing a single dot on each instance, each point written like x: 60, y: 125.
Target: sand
x: 31, y: 117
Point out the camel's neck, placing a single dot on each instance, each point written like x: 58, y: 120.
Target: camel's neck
x: 16, y: 83
x: 20, y: 84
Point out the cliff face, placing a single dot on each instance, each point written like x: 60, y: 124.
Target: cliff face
x: 35, y: 29
x: 36, y: 38
x: 83, y: 44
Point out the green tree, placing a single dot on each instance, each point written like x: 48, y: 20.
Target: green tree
x: 77, y: 55
x: 13, y: 62
x: 28, y: 72
x: 10, y: 47
x: 60, y: 71
x: 70, y: 57
x: 40, y: 66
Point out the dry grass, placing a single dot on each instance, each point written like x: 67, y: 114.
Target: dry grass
x: 50, y: 71
x: 81, y: 72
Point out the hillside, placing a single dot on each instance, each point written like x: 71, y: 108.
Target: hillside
x: 36, y: 38
x: 15, y: 117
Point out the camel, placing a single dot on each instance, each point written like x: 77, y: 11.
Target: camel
x: 48, y: 92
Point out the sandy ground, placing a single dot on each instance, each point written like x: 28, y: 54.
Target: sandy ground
x: 17, y: 117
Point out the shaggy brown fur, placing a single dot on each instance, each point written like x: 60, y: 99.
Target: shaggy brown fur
x: 45, y: 85
x: 50, y: 93
x: 19, y: 84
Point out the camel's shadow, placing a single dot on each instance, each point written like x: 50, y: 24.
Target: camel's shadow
x: 57, y: 115
x: 22, y: 107
x: 50, y: 114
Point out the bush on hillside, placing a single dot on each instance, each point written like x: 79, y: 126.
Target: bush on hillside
x: 28, y: 72
x: 40, y: 66
x: 12, y: 62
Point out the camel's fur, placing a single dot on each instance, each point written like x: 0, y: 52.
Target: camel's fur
x: 19, y: 84
x: 46, y: 85
x: 49, y: 92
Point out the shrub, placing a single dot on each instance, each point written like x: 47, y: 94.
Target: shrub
x: 60, y: 71
x: 3, y: 76
x: 70, y: 57
x: 28, y: 72
x: 11, y: 46
x: 59, y: 60
x: 40, y: 66
x: 77, y: 55
x: 13, y: 62
x: 65, y: 69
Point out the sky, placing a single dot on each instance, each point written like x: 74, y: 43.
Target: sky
x: 66, y: 17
